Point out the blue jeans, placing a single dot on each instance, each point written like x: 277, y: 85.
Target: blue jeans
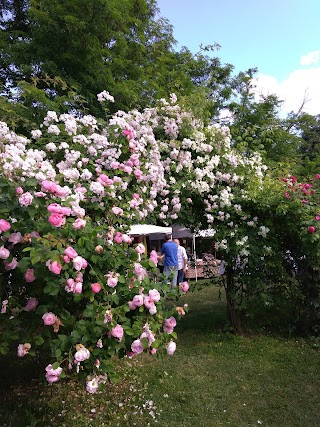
x: 180, y: 276
x: 172, y: 272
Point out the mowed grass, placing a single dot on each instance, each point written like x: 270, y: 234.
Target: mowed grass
x: 214, y: 379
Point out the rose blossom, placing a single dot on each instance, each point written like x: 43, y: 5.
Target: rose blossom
x: 19, y: 190
x: 52, y: 375
x: 23, y: 349
x: 138, y: 300
x: 25, y: 199
x: 79, y: 263
x: 155, y: 295
x: 153, y: 310
x: 70, y: 252
x: 171, y: 348
x: 95, y: 287
x: 49, y: 318
x: 311, y: 229
x: 137, y: 346
x: 117, y: 211
x: 15, y: 238
x: 29, y: 275
x: 54, y: 267
x: 92, y: 385
x: 118, y: 237
x: 317, y: 217
x: 4, y: 253
x: 4, y: 225
x: 31, y: 304
x: 117, y: 332
x: 57, y: 220
x: 79, y: 224
x: 11, y: 265
x: 140, y: 249
x: 81, y: 355
x: 184, y: 286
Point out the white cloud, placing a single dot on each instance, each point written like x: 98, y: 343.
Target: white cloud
x: 300, y: 85
x: 310, y: 58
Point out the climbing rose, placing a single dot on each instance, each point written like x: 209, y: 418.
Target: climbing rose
x: 95, y: 287
x: 57, y: 220
x: 4, y: 253
x: 92, y: 385
x: 137, y: 346
x: 311, y: 229
x: 29, y: 275
x: 171, y: 348
x: 49, y: 318
x: 184, y: 286
x: 117, y: 332
x: 4, y: 225
x: 52, y: 375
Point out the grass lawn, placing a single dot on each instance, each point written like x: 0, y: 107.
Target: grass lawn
x: 214, y: 379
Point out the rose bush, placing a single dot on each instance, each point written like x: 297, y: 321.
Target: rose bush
x: 72, y: 284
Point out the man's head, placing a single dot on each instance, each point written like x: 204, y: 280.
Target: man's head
x: 177, y: 241
x: 167, y: 237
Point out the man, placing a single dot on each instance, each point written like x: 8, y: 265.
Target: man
x: 170, y: 253
x: 182, y: 261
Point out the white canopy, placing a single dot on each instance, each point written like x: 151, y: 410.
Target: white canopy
x: 147, y: 229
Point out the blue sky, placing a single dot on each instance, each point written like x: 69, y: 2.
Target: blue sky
x: 281, y: 38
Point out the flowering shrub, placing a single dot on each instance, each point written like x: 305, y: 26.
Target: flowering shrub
x: 72, y: 284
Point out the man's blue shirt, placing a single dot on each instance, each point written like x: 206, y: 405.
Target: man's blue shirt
x: 170, y: 251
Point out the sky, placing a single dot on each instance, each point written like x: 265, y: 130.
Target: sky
x: 281, y: 38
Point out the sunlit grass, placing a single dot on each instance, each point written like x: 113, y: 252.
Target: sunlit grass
x: 214, y: 379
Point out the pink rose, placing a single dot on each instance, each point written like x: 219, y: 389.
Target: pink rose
x: 92, y: 386
x: 95, y: 287
x: 311, y: 229
x: 25, y: 199
x: 138, y: 173
x: 19, y: 191
x: 169, y: 324
x: 140, y: 249
x: 317, y: 217
x: 31, y: 304
x: 153, y: 351
x: 66, y: 259
x: 117, y: 211
x: 4, y: 253
x: 57, y: 220
x: 132, y: 305
x: 52, y: 375
x: 154, y: 295
x: 118, y: 237
x: 11, y: 265
x: 148, y: 302
x: 171, y: 348
x: 153, y: 310
x: 137, y: 346
x: 48, y: 187
x: 70, y: 252
x: 79, y: 224
x: 54, y: 267
x: 138, y: 300
x: 29, y: 275
x: 23, y: 349
x: 78, y: 288
x: 112, y: 281
x: 126, y: 238
x: 49, y: 318
x: 4, y: 225
x: 15, y: 238
x: 117, y: 332
x: 140, y: 271
x: 62, y: 191
x: 81, y: 355
x: 184, y: 286
x: 128, y: 133
x: 79, y: 263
